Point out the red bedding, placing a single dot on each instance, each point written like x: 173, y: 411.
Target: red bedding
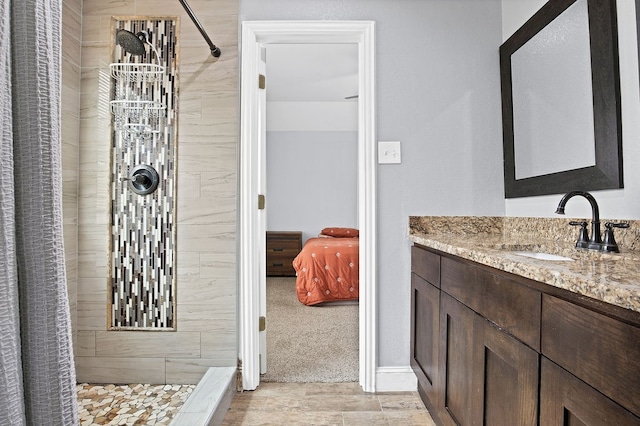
x: 327, y: 270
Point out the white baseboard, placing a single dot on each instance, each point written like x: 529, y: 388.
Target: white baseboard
x: 395, y: 379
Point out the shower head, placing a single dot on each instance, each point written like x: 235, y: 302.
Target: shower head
x: 130, y: 42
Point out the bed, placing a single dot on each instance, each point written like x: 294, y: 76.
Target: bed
x: 327, y: 267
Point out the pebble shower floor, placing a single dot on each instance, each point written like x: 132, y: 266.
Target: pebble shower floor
x: 136, y: 404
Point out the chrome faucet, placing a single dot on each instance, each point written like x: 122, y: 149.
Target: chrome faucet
x: 595, y: 240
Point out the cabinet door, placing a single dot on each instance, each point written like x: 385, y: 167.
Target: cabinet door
x: 487, y: 376
x: 425, y: 304
x: 565, y: 400
x: 507, y: 372
x: 456, y: 362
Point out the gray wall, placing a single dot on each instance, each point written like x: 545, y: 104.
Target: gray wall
x: 312, y: 181
x: 438, y: 92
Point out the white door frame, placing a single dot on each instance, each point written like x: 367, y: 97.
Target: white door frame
x: 254, y: 35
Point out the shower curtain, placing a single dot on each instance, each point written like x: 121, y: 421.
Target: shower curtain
x: 37, y: 376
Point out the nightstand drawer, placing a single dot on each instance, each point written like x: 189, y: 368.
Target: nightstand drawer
x: 284, y: 254
x: 280, y: 268
x: 288, y: 239
x: 282, y: 248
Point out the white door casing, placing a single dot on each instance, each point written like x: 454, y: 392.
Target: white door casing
x: 256, y: 34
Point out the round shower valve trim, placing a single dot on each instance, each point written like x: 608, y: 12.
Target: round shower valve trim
x: 143, y: 179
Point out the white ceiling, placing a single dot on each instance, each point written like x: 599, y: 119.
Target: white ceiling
x: 311, y: 72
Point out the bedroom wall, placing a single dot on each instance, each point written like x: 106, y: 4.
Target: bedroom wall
x: 614, y: 204
x: 438, y: 92
x: 311, y: 181
x: 311, y: 140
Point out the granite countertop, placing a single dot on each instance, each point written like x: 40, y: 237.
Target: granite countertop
x: 609, y: 277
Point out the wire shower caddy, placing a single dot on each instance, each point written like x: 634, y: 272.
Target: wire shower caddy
x: 136, y: 116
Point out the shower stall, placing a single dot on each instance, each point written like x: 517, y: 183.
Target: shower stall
x: 156, y: 288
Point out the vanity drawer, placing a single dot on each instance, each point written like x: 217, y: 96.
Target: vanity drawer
x: 598, y: 349
x: 497, y: 297
x: 426, y: 265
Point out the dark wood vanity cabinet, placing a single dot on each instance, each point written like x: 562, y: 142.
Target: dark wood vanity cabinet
x: 492, y: 348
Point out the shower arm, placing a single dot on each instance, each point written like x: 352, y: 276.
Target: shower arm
x: 215, y: 51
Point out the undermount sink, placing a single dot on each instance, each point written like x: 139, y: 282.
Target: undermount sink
x: 542, y: 256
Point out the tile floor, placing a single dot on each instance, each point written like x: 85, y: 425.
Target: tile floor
x: 135, y: 404
x: 325, y: 404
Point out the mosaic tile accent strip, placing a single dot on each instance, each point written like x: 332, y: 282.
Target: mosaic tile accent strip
x: 142, y: 282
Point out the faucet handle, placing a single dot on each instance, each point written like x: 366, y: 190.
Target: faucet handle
x: 583, y: 238
x: 610, y: 225
x: 609, y: 243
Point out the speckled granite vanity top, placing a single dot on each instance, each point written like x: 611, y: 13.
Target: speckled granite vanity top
x: 609, y: 277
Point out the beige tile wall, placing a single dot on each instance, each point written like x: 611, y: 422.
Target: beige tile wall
x: 206, y: 208
x: 71, y: 33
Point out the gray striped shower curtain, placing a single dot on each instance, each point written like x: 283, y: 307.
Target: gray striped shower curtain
x: 37, y: 376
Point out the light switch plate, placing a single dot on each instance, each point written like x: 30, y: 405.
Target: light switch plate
x: 389, y: 152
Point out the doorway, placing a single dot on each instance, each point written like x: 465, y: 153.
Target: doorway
x: 311, y: 184
x: 256, y: 34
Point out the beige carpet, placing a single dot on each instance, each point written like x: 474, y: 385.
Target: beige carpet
x: 309, y: 343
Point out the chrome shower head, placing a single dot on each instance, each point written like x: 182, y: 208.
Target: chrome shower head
x: 130, y: 42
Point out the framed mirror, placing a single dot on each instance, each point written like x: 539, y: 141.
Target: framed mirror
x: 561, y: 101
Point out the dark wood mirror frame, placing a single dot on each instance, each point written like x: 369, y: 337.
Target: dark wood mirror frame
x: 607, y: 172
x: 638, y: 27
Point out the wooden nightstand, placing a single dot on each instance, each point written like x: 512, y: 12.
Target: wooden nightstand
x: 282, y: 248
